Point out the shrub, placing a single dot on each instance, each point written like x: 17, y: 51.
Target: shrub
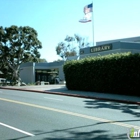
x: 114, y: 73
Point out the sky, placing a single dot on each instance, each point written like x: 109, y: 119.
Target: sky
x: 55, y: 19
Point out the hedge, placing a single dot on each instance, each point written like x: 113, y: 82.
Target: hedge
x: 114, y: 73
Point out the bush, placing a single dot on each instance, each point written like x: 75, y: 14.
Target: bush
x: 115, y: 73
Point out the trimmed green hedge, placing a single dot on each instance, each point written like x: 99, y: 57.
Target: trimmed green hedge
x: 115, y: 73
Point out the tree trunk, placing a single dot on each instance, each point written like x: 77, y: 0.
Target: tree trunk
x: 16, y: 77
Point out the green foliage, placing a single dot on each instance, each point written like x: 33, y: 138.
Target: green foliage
x: 58, y: 60
x: 116, y: 73
x: 17, y: 45
x: 70, y: 46
x: 64, y: 50
x: 31, y: 84
x: 42, y: 60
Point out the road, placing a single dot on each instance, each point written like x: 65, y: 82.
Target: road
x: 37, y: 116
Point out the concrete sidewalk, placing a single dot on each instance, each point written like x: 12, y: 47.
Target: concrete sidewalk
x: 62, y: 90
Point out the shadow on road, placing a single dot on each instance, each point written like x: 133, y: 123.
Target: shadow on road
x: 125, y: 108
x: 74, y: 134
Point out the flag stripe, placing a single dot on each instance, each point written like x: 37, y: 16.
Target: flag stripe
x: 88, y: 14
x: 88, y: 8
x: 84, y: 20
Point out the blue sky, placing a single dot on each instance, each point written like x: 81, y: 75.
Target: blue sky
x: 54, y: 19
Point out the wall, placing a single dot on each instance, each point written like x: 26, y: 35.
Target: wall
x: 61, y: 73
x: 27, y: 73
x: 117, y: 47
x: 52, y: 65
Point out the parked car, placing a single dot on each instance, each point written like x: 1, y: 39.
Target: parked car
x: 4, y: 81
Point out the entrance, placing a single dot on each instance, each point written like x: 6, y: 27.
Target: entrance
x: 47, y: 75
x: 41, y: 77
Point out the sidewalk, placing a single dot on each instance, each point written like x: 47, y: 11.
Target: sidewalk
x: 62, y: 90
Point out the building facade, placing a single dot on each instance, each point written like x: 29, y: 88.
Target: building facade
x: 112, y: 46
x: 33, y: 72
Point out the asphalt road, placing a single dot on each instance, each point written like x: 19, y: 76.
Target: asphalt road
x: 37, y: 116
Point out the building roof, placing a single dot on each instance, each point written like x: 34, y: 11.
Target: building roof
x: 130, y: 39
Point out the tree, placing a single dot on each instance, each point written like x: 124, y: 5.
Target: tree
x: 82, y: 41
x: 43, y: 60
x: 70, y: 46
x: 64, y: 50
x: 58, y: 60
x: 18, y: 45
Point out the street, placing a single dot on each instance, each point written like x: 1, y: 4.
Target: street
x: 38, y: 116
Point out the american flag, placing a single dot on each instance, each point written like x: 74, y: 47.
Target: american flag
x: 88, y: 8
x: 87, y: 18
x: 84, y: 20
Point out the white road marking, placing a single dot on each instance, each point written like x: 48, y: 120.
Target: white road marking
x: 16, y: 129
x: 53, y: 99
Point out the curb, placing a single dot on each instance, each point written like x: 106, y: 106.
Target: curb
x: 75, y: 95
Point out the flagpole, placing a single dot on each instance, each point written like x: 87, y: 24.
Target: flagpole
x: 87, y: 10
x: 93, y: 24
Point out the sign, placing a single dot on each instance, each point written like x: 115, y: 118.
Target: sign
x: 101, y: 48
x: 132, y: 133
